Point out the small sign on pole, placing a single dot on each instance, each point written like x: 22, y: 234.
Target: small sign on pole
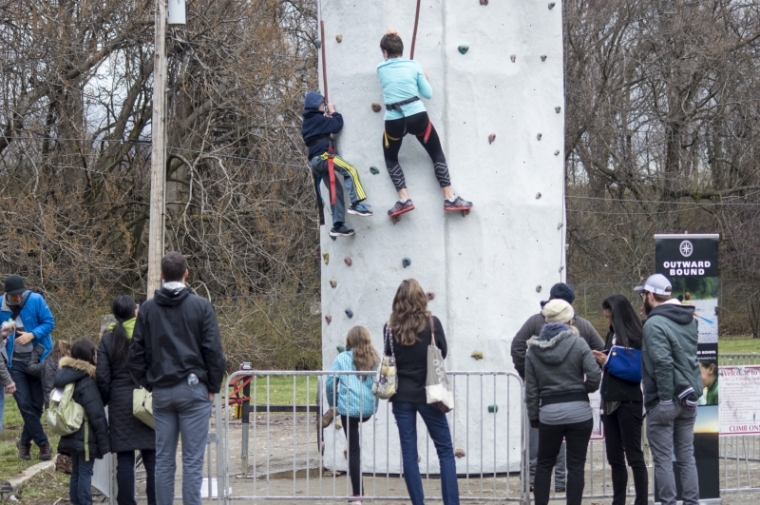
x: 177, y: 12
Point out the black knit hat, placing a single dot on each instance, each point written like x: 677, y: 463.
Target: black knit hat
x: 562, y: 291
x: 14, y: 284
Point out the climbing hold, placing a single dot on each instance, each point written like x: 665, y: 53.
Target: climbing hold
x: 477, y: 354
x: 557, y: 109
x: 551, y: 5
x: 333, y: 283
x: 513, y: 58
x: 560, y: 225
x: 348, y: 261
x: 459, y: 453
x: 556, y: 153
x: 483, y: 2
x: 430, y: 296
x: 560, y: 269
x: 543, y: 57
x: 538, y: 288
x: 333, y: 238
x: 491, y: 138
x: 374, y: 170
x: 492, y: 409
x: 539, y: 136
x: 349, y: 313
x: 339, y: 38
x: 326, y: 257
x: 463, y: 49
x: 538, y: 195
x: 328, y: 318
x: 340, y: 348
x: 376, y: 107
x: 317, y: 43
x: 406, y: 262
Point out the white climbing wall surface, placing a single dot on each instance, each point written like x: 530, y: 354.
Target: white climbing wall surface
x: 488, y: 270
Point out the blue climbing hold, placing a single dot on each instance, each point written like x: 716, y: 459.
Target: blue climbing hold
x: 374, y: 170
x: 317, y: 43
x: 493, y: 409
x: 349, y: 313
x: 406, y: 262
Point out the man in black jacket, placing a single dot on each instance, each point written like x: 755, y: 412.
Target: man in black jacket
x: 532, y: 327
x: 176, y: 353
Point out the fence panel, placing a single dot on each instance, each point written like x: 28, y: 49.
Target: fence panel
x: 290, y: 457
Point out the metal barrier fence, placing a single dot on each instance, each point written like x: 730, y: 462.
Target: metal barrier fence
x: 292, y: 459
x: 288, y: 457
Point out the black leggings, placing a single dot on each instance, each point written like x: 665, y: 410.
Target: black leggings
x: 416, y: 124
x: 351, y: 429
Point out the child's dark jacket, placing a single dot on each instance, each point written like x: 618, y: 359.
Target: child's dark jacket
x: 316, y: 127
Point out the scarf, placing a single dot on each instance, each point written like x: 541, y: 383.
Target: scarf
x: 129, y: 327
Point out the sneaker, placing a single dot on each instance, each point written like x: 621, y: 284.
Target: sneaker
x: 459, y: 203
x: 24, y: 451
x: 400, y: 208
x: 360, y: 209
x: 46, y: 452
x: 341, y: 231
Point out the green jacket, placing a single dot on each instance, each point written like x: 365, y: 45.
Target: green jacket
x: 669, y: 355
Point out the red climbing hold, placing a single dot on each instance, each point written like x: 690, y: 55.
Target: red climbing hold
x: 491, y: 138
x: 328, y: 319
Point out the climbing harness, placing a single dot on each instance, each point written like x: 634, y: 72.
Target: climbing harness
x: 397, y: 106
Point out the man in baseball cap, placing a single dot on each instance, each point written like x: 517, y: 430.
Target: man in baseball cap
x: 672, y: 385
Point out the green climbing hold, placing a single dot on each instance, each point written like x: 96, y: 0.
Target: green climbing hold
x: 340, y: 348
x: 492, y: 409
x: 374, y: 170
x: 463, y: 49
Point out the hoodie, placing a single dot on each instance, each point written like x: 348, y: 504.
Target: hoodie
x: 669, y: 355
x: 86, y: 394
x: 317, y: 126
x: 555, y: 365
x: 37, y: 319
x: 176, y: 334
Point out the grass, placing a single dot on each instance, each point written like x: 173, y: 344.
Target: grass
x: 44, y: 488
x: 281, y: 388
x: 10, y: 464
x: 738, y: 345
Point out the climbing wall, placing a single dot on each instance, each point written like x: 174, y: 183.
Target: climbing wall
x: 497, y: 76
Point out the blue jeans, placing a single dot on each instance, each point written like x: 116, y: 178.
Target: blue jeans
x: 186, y: 410
x: 319, y: 168
x: 438, y: 427
x: 80, y: 491
x: 30, y: 400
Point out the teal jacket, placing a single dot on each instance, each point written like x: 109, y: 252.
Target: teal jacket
x: 403, y: 79
x: 37, y: 319
x: 669, y: 355
x: 352, y: 393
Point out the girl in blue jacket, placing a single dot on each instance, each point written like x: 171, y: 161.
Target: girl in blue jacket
x: 403, y: 82
x: 353, y: 396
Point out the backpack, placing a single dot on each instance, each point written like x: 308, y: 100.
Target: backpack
x: 64, y: 416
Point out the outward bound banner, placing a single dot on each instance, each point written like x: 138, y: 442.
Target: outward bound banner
x: 690, y: 262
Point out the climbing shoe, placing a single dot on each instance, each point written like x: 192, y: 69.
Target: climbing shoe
x: 400, y: 208
x: 459, y: 203
x: 360, y: 209
x: 341, y: 231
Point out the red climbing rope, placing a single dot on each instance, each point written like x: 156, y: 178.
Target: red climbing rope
x: 414, y: 34
x: 324, y: 61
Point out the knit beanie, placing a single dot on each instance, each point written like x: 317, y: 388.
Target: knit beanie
x: 563, y: 292
x: 558, y: 311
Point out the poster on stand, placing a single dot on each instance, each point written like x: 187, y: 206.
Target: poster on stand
x: 690, y: 262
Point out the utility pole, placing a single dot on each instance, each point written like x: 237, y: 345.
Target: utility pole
x: 158, y: 154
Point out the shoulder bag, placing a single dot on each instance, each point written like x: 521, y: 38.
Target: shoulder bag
x: 624, y: 363
x: 437, y: 389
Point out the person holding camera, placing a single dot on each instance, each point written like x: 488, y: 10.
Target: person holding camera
x: 30, y: 324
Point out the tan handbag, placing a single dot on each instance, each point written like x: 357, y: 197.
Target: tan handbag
x: 142, y: 406
x: 385, y: 382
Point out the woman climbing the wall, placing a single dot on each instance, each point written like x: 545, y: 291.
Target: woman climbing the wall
x: 403, y: 82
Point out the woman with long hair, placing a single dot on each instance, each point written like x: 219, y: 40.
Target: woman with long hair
x: 128, y: 434
x: 622, y: 404
x: 353, y: 396
x: 410, y: 327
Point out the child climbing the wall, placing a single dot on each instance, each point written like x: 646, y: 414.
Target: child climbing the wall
x: 353, y: 396
x: 403, y: 82
x: 320, y: 122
